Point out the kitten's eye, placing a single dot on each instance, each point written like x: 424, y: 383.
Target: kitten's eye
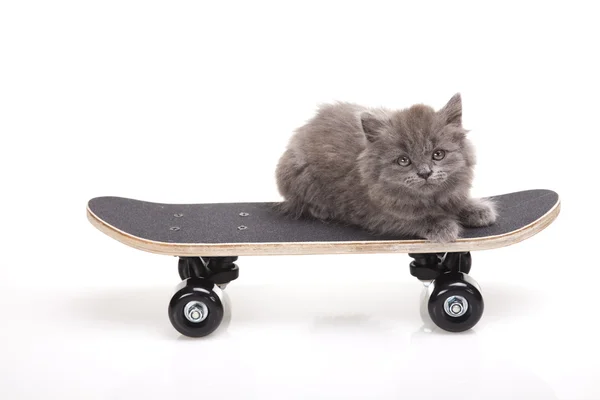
x: 404, y: 161
x: 438, y: 155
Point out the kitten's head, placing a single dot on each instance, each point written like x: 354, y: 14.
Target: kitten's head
x: 417, y: 149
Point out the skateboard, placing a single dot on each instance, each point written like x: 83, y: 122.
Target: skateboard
x: 208, y: 239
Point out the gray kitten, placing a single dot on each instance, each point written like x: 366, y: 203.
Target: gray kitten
x: 401, y: 172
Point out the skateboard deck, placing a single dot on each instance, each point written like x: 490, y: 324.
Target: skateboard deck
x: 241, y: 229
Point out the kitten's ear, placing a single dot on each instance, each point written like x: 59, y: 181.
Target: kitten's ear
x: 372, y: 125
x: 452, y: 111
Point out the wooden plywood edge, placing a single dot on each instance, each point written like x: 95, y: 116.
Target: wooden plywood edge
x: 314, y: 248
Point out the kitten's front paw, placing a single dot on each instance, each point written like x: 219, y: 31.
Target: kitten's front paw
x: 444, y: 231
x: 479, y: 213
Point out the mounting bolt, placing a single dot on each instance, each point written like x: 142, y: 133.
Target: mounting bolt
x: 456, y: 306
x: 175, y: 228
x: 244, y: 214
x: 242, y: 228
x: 195, y: 311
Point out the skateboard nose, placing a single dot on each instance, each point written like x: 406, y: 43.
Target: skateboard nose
x: 424, y: 174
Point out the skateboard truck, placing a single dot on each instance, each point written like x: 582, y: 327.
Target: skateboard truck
x: 218, y: 270
x: 429, y: 266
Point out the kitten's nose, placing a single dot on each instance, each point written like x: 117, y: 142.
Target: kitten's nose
x: 424, y: 174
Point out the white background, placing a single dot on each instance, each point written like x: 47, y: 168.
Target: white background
x: 194, y: 102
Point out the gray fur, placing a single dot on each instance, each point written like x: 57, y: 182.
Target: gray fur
x: 342, y: 166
